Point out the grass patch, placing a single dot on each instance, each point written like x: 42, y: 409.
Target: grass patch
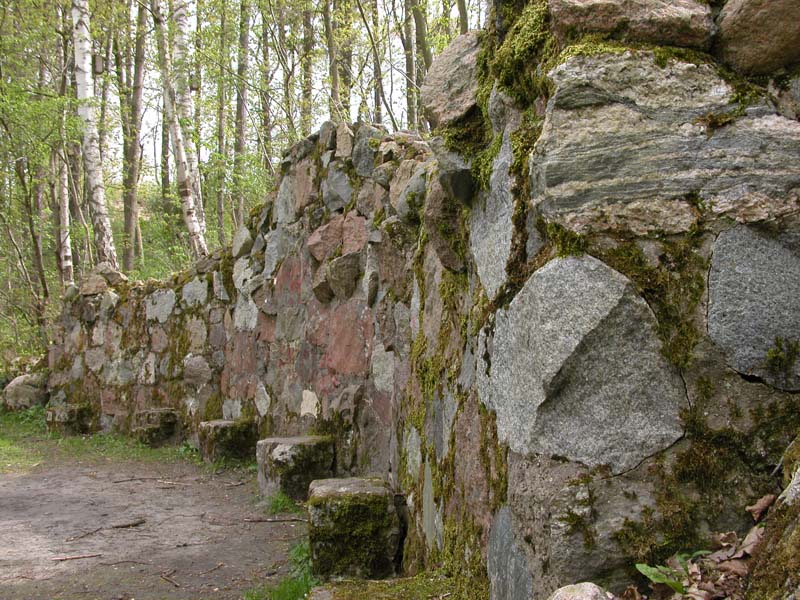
x: 421, y: 587
x: 294, y: 587
x: 280, y: 503
x: 25, y: 443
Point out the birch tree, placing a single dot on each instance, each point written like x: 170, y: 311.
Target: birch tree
x: 197, y: 239
x: 82, y: 45
x: 184, y: 101
x: 242, y: 67
x: 130, y: 80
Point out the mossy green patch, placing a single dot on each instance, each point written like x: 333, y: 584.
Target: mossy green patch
x: 483, y: 162
x: 672, y: 288
x: 776, y: 572
x: 349, y: 535
x: 566, y: 242
x: 462, y: 560
x: 517, y: 60
x: 469, y: 136
x: 699, y: 481
x: 423, y: 586
x: 782, y: 358
x: 494, y: 458
x: 579, y: 524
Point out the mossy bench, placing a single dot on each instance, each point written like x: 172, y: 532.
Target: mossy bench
x: 290, y: 464
x: 354, y: 529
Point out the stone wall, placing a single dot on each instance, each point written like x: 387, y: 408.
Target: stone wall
x: 566, y: 328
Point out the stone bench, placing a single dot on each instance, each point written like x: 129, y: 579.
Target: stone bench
x: 290, y: 464
x: 354, y: 529
x: 227, y: 439
x: 155, y: 426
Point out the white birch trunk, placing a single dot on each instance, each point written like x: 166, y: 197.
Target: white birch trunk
x: 197, y: 238
x: 184, y: 100
x: 103, y: 238
x: 64, y: 239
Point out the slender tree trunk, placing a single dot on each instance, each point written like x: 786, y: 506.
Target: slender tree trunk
x: 60, y: 168
x: 343, y: 30
x: 376, y: 62
x: 222, y: 153
x: 102, y: 126
x: 35, y: 220
x: 139, y: 242
x: 445, y: 20
x: 411, y: 69
x: 308, y: 74
x: 287, y: 68
x: 197, y: 87
x: 184, y: 101
x: 196, y: 235
x: 130, y: 98
x: 463, y: 16
x: 242, y: 68
x: 64, y: 239
x: 265, y: 96
x: 335, y: 105
x: 421, y: 26
x: 83, y: 255
x: 165, y: 178
x: 104, y: 241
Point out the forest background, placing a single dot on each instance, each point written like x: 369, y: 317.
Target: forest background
x: 142, y: 132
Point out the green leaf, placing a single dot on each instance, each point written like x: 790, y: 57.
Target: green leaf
x: 661, y: 574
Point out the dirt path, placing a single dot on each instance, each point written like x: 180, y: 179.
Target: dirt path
x: 161, y: 531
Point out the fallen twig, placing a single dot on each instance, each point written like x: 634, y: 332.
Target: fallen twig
x: 187, y: 544
x: 211, y: 570
x: 78, y: 557
x: 120, y: 562
x: 83, y: 535
x: 275, y: 520
x: 235, y: 484
x: 166, y: 577
x: 135, y: 523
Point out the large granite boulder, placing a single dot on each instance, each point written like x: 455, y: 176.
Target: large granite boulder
x: 450, y: 89
x: 664, y: 22
x: 354, y: 529
x: 759, y: 36
x: 754, y: 304
x: 626, y: 146
x: 26, y: 391
x: 580, y: 374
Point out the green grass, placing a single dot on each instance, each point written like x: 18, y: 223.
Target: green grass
x: 424, y: 586
x: 25, y: 443
x: 294, y: 587
x: 281, y: 503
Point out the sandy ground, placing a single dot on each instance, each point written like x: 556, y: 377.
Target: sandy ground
x: 160, y: 531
